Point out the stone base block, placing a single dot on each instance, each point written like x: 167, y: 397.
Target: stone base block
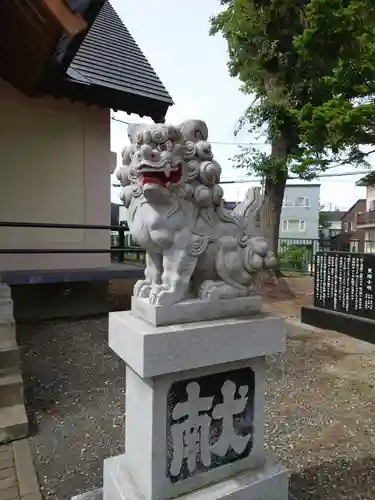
x: 13, y: 423
x: 90, y: 495
x: 98, y: 495
x: 193, y: 310
x: 155, y: 350
x: 266, y: 483
x: 354, y: 326
x: 45, y: 301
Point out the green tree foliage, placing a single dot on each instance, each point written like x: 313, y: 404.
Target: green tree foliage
x: 339, y: 44
x: 292, y: 56
x: 324, y: 221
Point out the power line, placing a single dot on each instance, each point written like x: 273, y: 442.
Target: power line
x: 222, y: 143
x: 257, y: 179
x: 229, y: 143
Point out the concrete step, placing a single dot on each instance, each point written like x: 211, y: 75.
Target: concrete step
x: 6, y: 310
x: 13, y: 423
x: 7, y: 331
x: 5, y: 291
x: 9, y: 356
x: 11, y: 388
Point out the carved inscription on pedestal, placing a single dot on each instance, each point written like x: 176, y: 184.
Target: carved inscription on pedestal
x: 209, y: 422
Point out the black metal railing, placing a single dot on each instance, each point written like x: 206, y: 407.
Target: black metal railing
x: 121, y: 248
x: 295, y: 254
x: 345, y: 283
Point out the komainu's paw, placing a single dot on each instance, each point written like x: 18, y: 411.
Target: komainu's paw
x: 142, y: 289
x: 164, y: 296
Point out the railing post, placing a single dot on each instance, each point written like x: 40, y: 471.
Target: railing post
x: 121, y: 244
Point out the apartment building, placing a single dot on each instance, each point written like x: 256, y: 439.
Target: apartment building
x: 300, y: 211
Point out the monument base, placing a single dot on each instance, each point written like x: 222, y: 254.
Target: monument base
x: 195, y: 410
x: 269, y: 482
x: 98, y: 495
x: 194, y: 310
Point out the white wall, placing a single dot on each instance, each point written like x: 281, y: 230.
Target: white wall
x: 300, y: 222
x: 370, y: 198
x: 335, y: 224
x: 54, y: 167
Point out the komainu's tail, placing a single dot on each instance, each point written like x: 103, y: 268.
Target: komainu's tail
x: 248, y: 211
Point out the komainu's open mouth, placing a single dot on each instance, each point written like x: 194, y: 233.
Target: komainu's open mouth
x: 164, y: 177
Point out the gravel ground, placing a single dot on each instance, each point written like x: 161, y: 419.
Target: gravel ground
x: 75, y: 400
x: 320, y: 409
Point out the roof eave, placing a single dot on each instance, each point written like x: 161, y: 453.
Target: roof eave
x: 109, y: 98
x: 364, y: 181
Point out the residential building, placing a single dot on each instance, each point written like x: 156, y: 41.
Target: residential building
x: 58, y: 82
x: 351, y: 238
x: 366, y: 220
x: 333, y: 220
x: 300, y: 212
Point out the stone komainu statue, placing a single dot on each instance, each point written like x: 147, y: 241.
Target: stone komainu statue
x: 194, y: 246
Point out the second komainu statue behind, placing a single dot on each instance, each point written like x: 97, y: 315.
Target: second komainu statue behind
x: 194, y: 246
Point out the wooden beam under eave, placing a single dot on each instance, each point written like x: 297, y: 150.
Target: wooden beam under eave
x: 70, y: 21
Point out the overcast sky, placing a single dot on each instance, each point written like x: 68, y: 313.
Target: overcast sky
x: 192, y: 66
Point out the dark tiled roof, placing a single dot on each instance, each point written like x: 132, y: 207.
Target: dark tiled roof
x: 110, y: 57
x: 109, y: 69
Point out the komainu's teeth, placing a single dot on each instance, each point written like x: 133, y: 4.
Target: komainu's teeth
x: 168, y: 184
x: 167, y: 171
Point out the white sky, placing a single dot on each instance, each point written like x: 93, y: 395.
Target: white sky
x: 192, y: 66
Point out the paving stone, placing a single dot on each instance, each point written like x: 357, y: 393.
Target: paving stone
x: 6, y: 462
x: 33, y: 496
x: 6, y: 451
x: 9, y: 493
x: 27, y: 480
x: 8, y: 472
x: 8, y: 482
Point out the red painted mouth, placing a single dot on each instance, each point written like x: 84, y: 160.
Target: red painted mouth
x: 159, y: 177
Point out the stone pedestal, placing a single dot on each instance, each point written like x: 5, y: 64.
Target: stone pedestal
x: 13, y: 419
x: 195, y: 404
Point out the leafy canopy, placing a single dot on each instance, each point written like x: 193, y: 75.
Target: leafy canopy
x: 339, y: 43
x: 310, y: 64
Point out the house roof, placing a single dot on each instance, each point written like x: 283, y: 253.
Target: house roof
x: 334, y: 215
x: 361, y: 201
x: 367, y: 180
x: 110, y: 70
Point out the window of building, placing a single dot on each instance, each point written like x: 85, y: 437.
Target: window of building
x: 302, y: 201
x: 294, y: 225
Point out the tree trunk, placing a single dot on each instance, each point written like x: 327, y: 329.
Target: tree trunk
x: 274, y: 187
